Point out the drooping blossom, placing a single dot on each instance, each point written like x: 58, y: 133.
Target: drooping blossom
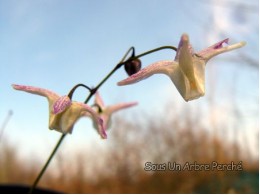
x: 105, y: 112
x: 187, y: 71
x: 64, y: 113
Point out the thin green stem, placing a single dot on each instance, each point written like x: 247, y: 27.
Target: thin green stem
x: 122, y: 62
x: 47, y: 163
x: 92, y: 92
x: 133, y: 50
x: 58, y: 143
x: 156, y: 49
x: 148, y: 52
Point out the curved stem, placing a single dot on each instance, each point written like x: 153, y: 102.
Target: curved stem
x: 148, y: 52
x: 133, y: 53
x: 47, y: 163
x: 122, y: 62
x: 75, y: 87
x: 58, y: 143
x: 156, y: 49
x: 99, y: 108
x: 92, y: 92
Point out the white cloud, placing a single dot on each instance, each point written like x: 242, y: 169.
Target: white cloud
x: 231, y: 19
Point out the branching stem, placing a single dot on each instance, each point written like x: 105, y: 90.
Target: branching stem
x: 92, y: 92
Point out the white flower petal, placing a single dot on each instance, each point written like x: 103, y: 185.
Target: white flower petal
x: 186, y: 59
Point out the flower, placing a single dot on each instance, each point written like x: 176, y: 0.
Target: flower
x: 64, y: 113
x: 187, y: 71
x: 106, y: 112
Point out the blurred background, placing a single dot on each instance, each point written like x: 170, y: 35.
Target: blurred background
x: 58, y: 44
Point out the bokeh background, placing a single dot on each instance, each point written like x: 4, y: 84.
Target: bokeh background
x: 58, y: 44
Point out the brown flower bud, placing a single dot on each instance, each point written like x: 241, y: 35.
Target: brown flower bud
x: 133, y: 66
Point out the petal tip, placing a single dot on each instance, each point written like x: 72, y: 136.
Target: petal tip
x: 134, y: 103
x: 104, y: 136
x: 15, y: 86
x: 20, y: 87
x: 120, y: 83
x: 185, y: 37
x: 124, y: 82
x: 226, y: 40
x: 103, y: 131
x: 243, y: 43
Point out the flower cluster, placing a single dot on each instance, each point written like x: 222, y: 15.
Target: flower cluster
x: 187, y: 72
x: 63, y: 113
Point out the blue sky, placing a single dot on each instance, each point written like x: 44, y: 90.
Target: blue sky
x: 56, y: 44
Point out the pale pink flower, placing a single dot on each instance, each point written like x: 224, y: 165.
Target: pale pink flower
x: 187, y: 71
x: 105, y: 112
x: 64, y: 113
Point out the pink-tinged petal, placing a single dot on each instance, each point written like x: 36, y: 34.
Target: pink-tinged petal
x: 117, y: 107
x: 220, y: 44
x: 164, y: 67
x: 213, y: 47
x: 218, y: 48
x: 107, y: 120
x: 36, y: 90
x: 99, y: 121
x: 101, y: 130
x: 184, y: 42
x: 98, y: 100
x: 61, y: 104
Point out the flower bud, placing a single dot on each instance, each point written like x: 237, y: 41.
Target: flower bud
x: 133, y: 66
